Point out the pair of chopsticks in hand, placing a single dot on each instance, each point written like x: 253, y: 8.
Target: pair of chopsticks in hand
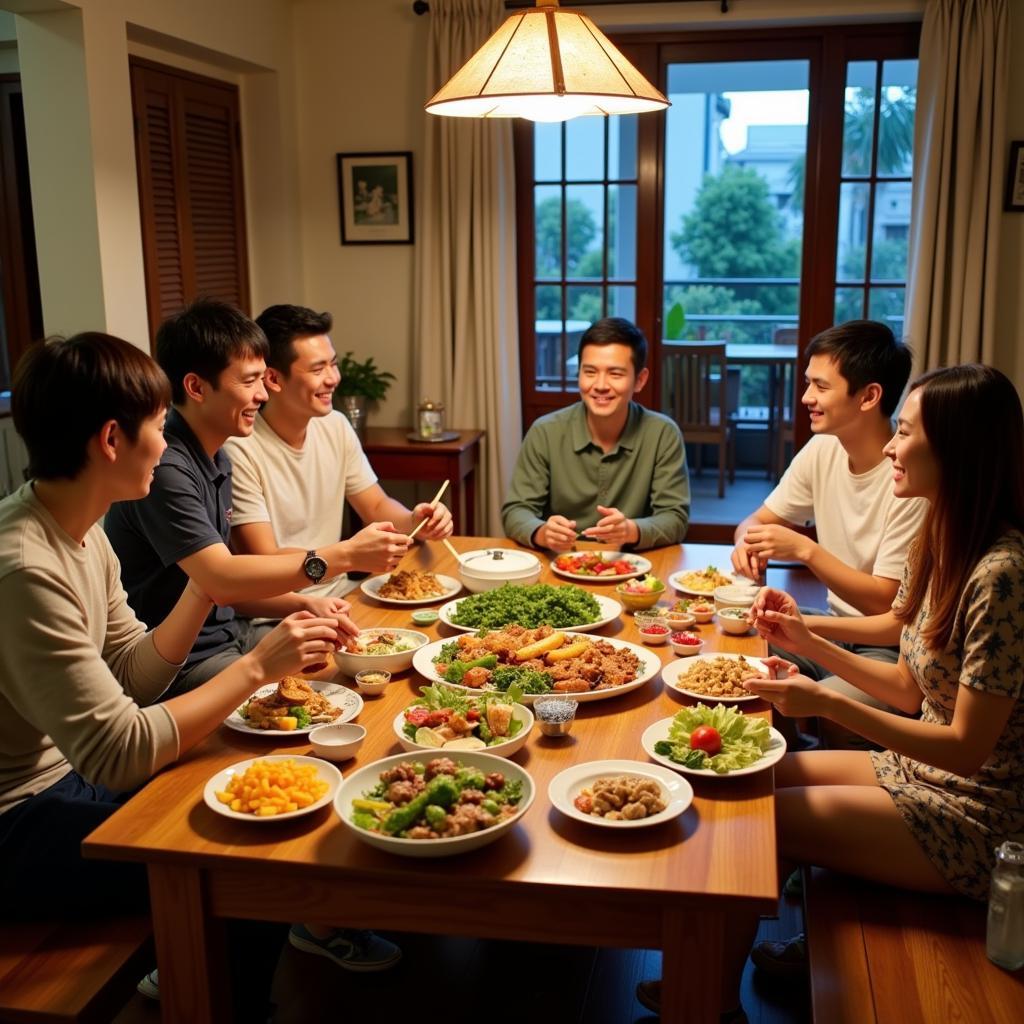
x: 419, y: 525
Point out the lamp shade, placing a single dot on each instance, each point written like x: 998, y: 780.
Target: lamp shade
x: 546, y: 64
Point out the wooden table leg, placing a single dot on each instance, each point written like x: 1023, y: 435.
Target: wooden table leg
x: 190, y: 948
x: 691, y: 972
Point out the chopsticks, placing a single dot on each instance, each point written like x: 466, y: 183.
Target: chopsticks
x: 450, y: 547
x: 433, y: 501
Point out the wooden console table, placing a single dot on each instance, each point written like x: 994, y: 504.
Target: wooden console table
x: 394, y: 457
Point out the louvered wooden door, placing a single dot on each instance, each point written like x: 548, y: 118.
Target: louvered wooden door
x: 190, y: 189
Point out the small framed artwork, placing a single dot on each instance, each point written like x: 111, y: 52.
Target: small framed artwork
x: 1015, y: 179
x: 375, y: 198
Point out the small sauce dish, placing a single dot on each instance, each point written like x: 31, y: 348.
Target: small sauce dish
x: 424, y: 617
x: 686, y: 644
x: 337, y: 742
x: 555, y: 715
x: 655, y: 633
x: 734, y: 620
x: 373, y: 681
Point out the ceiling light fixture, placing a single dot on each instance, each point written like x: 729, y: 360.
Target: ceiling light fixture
x: 546, y: 64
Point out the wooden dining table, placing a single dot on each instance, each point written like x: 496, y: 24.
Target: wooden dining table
x: 550, y: 879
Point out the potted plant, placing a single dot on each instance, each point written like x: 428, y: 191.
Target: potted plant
x: 361, y: 382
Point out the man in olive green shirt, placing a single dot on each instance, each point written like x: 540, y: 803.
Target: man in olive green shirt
x: 606, y: 468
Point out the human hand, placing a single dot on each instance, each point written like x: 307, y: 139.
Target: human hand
x: 613, y: 528
x: 796, y: 696
x: 299, y: 642
x: 769, y: 540
x: 776, y: 617
x: 438, y: 521
x: 332, y: 608
x: 557, y: 534
x: 746, y: 562
x: 377, y: 548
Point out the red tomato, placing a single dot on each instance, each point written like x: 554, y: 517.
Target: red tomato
x: 472, y: 715
x: 621, y: 567
x: 439, y: 717
x: 584, y: 803
x: 706, y: 738
x: 417, y: 716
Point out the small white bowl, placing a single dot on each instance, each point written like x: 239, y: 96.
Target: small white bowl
x: 337, y: 742
x: 735, y: 595
x: 680, y: 620
x: 372, y: 681
x: 732, y: 623
x: 704, y: 616
x: 686, y: 650
x: 350, y: 663
x: 656, y: 638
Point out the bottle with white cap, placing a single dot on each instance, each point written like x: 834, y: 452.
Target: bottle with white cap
x: 1005, y: 938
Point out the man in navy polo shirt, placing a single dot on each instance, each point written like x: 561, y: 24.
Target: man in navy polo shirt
x: 215, y: 358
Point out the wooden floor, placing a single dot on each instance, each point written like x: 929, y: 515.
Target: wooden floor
x: 742, y: 497
x: 465, y: 981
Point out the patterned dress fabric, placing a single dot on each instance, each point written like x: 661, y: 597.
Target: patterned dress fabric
x: 959, y: 821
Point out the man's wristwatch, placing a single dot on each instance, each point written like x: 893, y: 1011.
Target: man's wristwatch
x: 314, y: 567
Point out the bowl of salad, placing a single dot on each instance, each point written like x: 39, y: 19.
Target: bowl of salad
x: 446, y: 719
x: 380, y: 650
x: 641, y: 593
x: 421, y: 806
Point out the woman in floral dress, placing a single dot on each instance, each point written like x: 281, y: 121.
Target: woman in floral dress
x: 927, y: 812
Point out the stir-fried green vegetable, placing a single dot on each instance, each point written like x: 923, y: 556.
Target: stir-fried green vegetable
x: 744, y: 738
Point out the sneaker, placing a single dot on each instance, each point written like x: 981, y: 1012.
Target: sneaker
x: 149, y: 986
x: 648, y: 994
x: 348, y: 948
x: 782, y: 959
x: 794, y: 887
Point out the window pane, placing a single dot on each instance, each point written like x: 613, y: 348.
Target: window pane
x: 584, y: 209
x: 547, y: 229
x: 859, y: 118
x: 896, y: 126
x: 622, y: 147
x: 892, y: 225
x: 849, y: 305
x: 547, y: 152
x: 584, y: 304
x: 851, y: 240
x: 548, y: 328
x: 622, y: 231
x: 622, y: 301
x: 886, y: 304
x: 584, y: 148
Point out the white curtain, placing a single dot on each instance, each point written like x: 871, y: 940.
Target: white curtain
x: 467, y: 347
x: 960, y: 147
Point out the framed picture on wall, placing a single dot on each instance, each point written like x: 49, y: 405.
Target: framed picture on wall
x: 1015, y: 179
x: 375, y: 198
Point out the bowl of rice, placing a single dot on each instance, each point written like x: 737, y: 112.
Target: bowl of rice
x: 389, y: 650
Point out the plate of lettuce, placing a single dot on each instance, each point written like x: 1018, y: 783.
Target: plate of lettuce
x: 687, y: 742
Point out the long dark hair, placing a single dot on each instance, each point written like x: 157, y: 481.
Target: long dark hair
x: 972, y: 418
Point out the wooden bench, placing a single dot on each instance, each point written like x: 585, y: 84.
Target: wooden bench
x: 886, y: 956
x: 71, y: 971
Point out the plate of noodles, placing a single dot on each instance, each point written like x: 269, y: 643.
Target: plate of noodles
x: 413, y: 587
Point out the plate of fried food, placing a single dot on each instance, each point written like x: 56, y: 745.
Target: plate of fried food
x: 714, y: 675
x: 535, y: 662
x: 272, y: 788
x: 700, y: 582
x: 620, y: 794
x: 412, y: 587
x: 293, y: 707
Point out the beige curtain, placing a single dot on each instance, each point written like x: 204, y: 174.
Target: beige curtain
x: 467, y: 348
x: 959, y: 142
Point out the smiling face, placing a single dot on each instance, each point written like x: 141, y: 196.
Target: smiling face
x: 916, y: 471
x: 608, y: 380
x: 827, y: 398
x: 308, y: 389
x: 131, y: 472
x: 229, y: 409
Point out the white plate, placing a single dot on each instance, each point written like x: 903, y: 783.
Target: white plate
x: 674, y: 672
x: 650, y: 666
x: 608, y: 608
x: 674, y: 579
x: 356, y: 784
x: 348, y: 700
x: 659, y: 731
x: 371, y: 587
x: 326, y: 770
x: 506, y: 749
x: 566, y: 786
x: 642, y: 567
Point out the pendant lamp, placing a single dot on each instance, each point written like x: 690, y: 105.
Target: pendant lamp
x: 546, y: 64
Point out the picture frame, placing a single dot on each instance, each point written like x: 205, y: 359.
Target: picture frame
x: 375, y: 198
x: 1014, y: 202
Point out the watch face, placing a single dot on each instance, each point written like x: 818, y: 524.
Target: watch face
x: 316, y: 568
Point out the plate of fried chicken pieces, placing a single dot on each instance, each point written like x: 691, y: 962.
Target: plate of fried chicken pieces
x: 294, y: 706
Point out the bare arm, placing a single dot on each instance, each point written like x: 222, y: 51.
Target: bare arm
x: 373, y: 504
x: 882, y: 630
x: 257, y: 539
x: 174, y: 637
x: 870, y: 595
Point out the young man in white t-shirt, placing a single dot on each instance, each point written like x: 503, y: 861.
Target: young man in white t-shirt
x: 842, y: 484
x: 292, y: 475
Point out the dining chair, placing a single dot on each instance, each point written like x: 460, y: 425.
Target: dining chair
x: 694, y: 393
x: 783, y: 403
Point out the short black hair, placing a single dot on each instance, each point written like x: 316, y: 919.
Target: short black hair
x: 203, y: 339
x: 867, y: 352
x: 284, y: 325
x: 615, y: 330
x: 65, y: 389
